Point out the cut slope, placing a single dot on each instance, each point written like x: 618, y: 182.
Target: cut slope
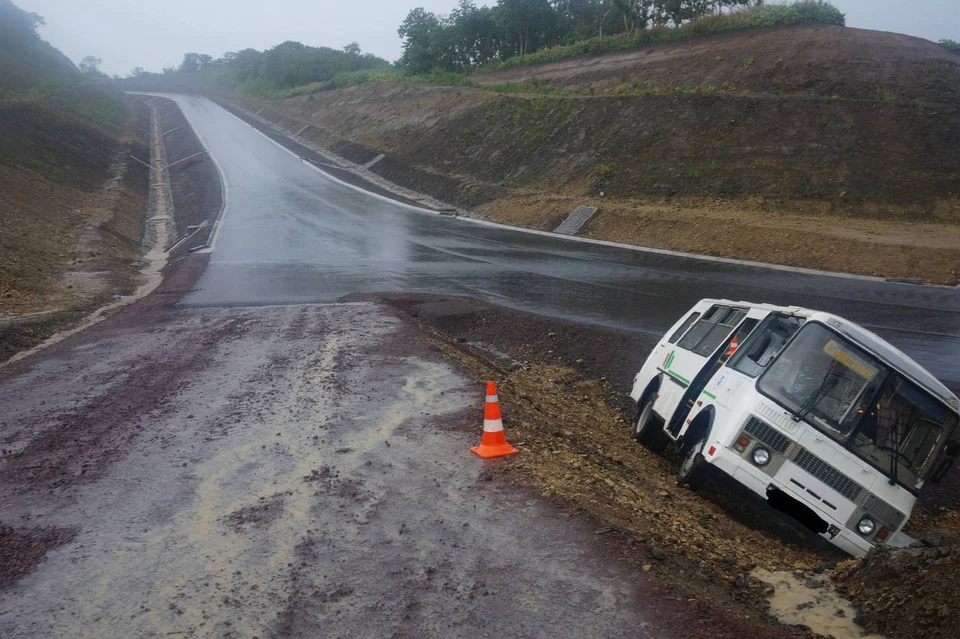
x: 768, y: 141
x: 72, y: 202
x: 815, y: 60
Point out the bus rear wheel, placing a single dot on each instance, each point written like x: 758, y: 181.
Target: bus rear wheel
x: 693, y: 468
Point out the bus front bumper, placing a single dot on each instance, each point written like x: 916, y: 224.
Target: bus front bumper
x: 759, y: 482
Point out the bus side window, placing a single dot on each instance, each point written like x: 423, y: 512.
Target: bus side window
x: 687, y: 323
x: 700, y: 330
x: 758, y: 351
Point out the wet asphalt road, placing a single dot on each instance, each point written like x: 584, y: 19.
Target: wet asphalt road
x: 291, y: 235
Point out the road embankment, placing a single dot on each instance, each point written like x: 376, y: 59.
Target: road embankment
x: 73, y: 208
x: 81, y: 247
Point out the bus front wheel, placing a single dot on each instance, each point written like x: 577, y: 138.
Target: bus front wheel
x: 693, y: 468
x: 647, y: 429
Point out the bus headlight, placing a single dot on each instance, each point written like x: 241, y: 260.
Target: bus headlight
x: 761, y: 456
x: 866, y: 526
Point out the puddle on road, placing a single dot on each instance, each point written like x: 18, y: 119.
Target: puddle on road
x: 821, y: 609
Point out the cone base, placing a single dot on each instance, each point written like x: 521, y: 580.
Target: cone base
x: 490, y: 452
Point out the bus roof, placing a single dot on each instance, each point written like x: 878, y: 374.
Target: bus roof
x: 890, y: 354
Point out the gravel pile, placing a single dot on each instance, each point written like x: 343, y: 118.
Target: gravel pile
x: 909, y: 592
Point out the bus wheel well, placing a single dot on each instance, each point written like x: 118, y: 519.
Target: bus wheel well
x: 652, y: 387
x: 701, y: 426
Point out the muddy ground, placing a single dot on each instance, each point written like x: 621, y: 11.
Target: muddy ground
x: 563, y: 387
x: 271, y: 471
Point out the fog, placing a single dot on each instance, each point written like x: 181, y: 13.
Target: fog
x: 127, y: 34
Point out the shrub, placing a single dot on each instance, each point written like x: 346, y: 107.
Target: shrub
x: 953, y: 45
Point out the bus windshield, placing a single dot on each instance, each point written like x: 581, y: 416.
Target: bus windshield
x: 883, y: 418
x: 907, y: 423
x: 824, y: 379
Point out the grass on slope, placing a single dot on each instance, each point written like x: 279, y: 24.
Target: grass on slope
x: 802, y: 12
x: 757, y: 17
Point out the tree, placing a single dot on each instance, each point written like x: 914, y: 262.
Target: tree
x: 90, y: 65
x: 193, y: 62
x: 421, y: 33
x: 528, y: 25
x: 136, y: 72
x: 471, y: 37
x: 352, y: 49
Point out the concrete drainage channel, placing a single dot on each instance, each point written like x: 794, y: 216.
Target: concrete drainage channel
x: 193, y: 195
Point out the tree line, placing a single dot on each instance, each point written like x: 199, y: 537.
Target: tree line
x: 286, y: 65
x: 508, y: 33
x: 471, y: 36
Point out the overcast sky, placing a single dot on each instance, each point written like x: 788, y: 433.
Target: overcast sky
x: 131, y: 33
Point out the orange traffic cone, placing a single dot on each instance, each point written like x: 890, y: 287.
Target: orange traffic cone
x: 734, y: 345
x: 494, y: 442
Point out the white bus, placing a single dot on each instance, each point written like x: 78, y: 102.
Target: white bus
x: 828, y: 422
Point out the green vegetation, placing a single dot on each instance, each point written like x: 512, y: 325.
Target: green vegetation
x: 28, y: 65
x: 444, y: 50
x: 804, y: 12
x: 287, y: 69
x: 521, y: 32
x: 884, y: 95
x: 953, y: 45
x: 355, y: 78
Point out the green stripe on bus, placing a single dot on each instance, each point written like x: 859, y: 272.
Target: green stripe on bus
x: 709, y: 394
x: 682, y: 379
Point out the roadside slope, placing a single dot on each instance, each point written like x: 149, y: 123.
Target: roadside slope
x: 823, y: 159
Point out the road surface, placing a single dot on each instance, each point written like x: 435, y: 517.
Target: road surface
x: 291, y: 235
x: 292, y: 471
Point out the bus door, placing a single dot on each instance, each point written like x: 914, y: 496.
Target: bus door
x: 717, y: 341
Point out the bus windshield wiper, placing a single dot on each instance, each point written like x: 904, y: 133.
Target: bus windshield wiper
x: 827, y: 385
x: 895, y: 450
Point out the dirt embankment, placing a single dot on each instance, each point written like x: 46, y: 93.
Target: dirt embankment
x: 912, y: 592
x: 806, y: 146
x: 72, y: 207
x: 75, y: 202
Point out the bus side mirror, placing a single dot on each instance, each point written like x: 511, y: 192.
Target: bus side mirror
x: 952, y: 451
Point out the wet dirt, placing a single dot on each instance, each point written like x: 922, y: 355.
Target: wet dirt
x: 271, y: 471
x: 285, y: 469
x: 909, y: 593
x: 563, y: 387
